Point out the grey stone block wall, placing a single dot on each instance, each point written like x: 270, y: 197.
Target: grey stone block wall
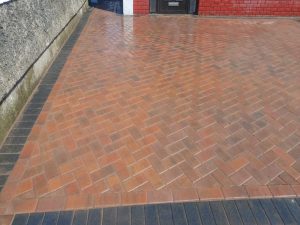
x: 27, y: 27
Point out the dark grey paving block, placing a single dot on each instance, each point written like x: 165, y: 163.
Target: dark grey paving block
x: 178, y: 212
x: 3, y: 178
x: 151, y: 216
x: 15, y: 140
x: 19, y: 132
x: 11, y: 148
x: 109, y: 216
x: 123, y: 215
x: 232, y: 212
x: 50, y: 218
x: 258, y: 212
x: 6, y: 168
x: 271, y: 212
x: 44, y: 88
x: 297, y: 200
x: 25, y: 124
x: 38, y: 99
x: 80, y: 217
x: 219, y: 213
x: 25, y: 118
x: 43, y: 92
x: 192, y: 214
x: 245, y: 212
x: 294, y: 208
x: 206, y: 215
x: 35, y: 219
x: 165, y: 214
x: 284, y: 212
x: 50, y: 81
x: 137, y: 215
x: 33, y: 105
x: 65, y: 218
x: 94, y: 216
x: 8, y: 158
x: 20, y: 219
x: 32, y: 111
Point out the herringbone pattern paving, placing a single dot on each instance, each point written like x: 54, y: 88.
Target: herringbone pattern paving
x: 166, y: 108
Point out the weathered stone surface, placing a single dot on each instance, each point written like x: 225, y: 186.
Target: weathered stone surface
x: 26, y: 29
x: 31, y: 35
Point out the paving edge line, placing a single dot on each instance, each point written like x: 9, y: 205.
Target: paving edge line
x: 235, y: 212
x: 113, y: 199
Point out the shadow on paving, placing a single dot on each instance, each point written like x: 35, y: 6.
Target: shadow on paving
x: 264, y: 211
x: 115, y: 6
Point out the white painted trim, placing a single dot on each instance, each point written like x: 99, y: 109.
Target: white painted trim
x: 128, y: 7
x: 2, y: 1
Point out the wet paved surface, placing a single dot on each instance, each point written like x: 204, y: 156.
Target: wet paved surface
x: 110, y: 5
x: 242, y: 212
x: 161, y: 109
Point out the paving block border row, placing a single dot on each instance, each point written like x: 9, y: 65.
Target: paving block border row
x: 236, y: 212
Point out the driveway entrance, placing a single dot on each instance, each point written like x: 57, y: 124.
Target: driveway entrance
x: 154, y: 109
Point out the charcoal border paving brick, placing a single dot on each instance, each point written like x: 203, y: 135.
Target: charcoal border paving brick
x: 94, y: 216
x: 80, y: 217
x: 36, y: 219
x: 192, y: 215
x: 254, y: 211
x: 50, y: 218
x: 206, y: 214
x: 283, y: 211
x: 109, y: 216
x: 137, y: 215
x: 271, y: 212
x: 258, y: 212
x: 20, y: 219
x: 245, y: 212
x: 151, y: 216
x: 179, y: 216
x: 294, y: 209
x: 123, y: 215
x: 219, y: 213
x: 232, y: 212
x: 65, y: 218
x: 165, y: 214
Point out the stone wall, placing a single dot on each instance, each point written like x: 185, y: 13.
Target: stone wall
x: 31, y: 34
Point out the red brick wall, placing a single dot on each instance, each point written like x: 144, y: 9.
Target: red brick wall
x: 250, y: 7
x: 141, y: 6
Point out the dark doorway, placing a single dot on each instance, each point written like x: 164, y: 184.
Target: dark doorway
x: 173, y: 6
x: 108, y: 5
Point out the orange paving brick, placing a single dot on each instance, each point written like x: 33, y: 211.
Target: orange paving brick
x: 159, y: 196
x: 211, y: 193
x: 181, y: 195
x: 6, y: 219
x: 154, y: 109
x: 258, y: 191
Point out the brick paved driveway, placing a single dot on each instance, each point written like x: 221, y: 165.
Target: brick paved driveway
x: 166, y: 108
